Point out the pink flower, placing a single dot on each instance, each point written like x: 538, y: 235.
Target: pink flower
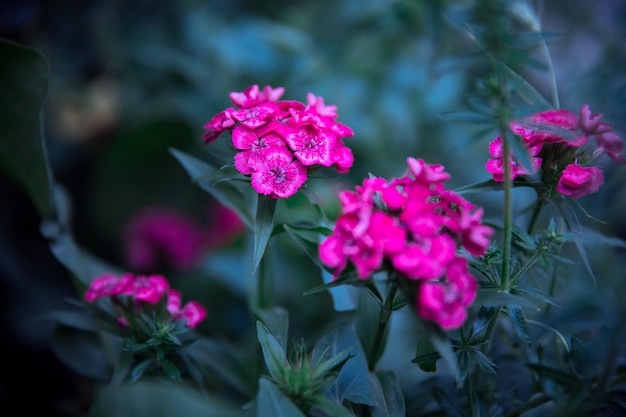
x: 552, y: 126
x: 311, y: 145
x: 495, y: 166
x: 279, y: 175
x: 224, y: 227
x: 154, y: 235
x: 445, y: 302
x: 413, y: 226
x: 254, y: 148
x: 591, y: 123
x: 150, y: 288
x: 577, y: 181
x: 260, y: 123
x: 612, y: 145
x: 193, y: 311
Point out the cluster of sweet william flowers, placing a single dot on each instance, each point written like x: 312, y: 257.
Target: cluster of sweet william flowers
x: 133, y: 293
x: 279, y: 142
x: 555, y: 140
x: 416, y: 228
x: 158, y: 237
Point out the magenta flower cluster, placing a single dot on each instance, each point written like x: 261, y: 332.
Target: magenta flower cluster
x: 416, y: 227
x: 279, y: 141
x: 554, y: 140
x: 161, y: 236
x: 142, y: 290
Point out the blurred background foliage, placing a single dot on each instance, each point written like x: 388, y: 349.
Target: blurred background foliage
x: 130, y: 79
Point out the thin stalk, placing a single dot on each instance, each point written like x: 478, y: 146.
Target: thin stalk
x: 470, y: 393
x: 380, y: 339
x: 527, y: 266
x: 491, y: 327
x: 553, y: 85
x: 508, y: 211
x: 535, y: 216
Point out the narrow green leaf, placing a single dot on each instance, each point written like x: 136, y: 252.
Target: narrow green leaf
x: 273, y: 353
x: 308, y: 247
x: 388, y: 395
x: 482, y: 360
x: 215, y: 183
x: 483, y: 319
x: 519, y: 323
x: 537, y: 294
x: 171, y: 371
x: 23, y: 87
x: 426, y: 356
x: 352, y: 382
x: 488, y: 185
x: 569, y: 381
x: 263, y: 226
x: 156, y: 399
x: 571, y: 219
x: 330, y: 407
x: 276, y: 321
x: 271, y: 401
x: 139, y: 370
x: 123, y: 365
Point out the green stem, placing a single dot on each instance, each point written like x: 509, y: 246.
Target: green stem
x: 527, y: 266
x: 535, y: 216
x: 553, y: 85
x: 508, y: 210
x: 491, y: 327
x: 380, y: 339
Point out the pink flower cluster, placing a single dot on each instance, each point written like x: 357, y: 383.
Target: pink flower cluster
x: 554, y: 140
x: 416, y: 227
x: 145, y: 289
x: 279, y: 141
x: 158, y: 235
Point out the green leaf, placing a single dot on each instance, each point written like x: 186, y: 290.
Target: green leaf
x: 215, y: 182
x: 426, y: 356
x: 483, y: 319
x: 263, y: 226
x: 519, y: 323
x: 488, y: 185
x: 330, y: 407
x: 139, y: 370
x: 273, y: 353
x: 276, y: 321
x: 23, y: 87
x: 155, y: 399
x: 387, y: 394
x: 493, y: 297
x: 352, y: 382
x: 81, y: 351
x: 271, y: 401
x: 569, y: 381
x: 571, y: 219
x: 482, y: 360
x: 84, y: 265
x: 306, y: 242
x: 171, y: 371
x: 76, y: 319
x: 537, y: 294
x: 125, y: 359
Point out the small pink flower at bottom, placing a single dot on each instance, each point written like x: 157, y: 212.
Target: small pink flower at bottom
x: 446, y: 302
x: 193, y: 311
x: 577, y: 181
x: 280, y: 175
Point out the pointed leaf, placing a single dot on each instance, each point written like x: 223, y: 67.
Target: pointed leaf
x: 387, y: 394
x: 352, y: 382
x: 330, y: 407
x: 537, y: 294
x: 209, y: 179
x: 571, y: 219
x: 569, y: 381
x: 271, y: 401
x: 276, y: 321
x: 273, y: 353
x: 519, y: 323
x: 263, y: 225
x: 426, y: 356
x: 23, y: 87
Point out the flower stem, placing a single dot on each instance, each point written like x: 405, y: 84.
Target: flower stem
x: 380, y: 339
x: 508, y: 208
